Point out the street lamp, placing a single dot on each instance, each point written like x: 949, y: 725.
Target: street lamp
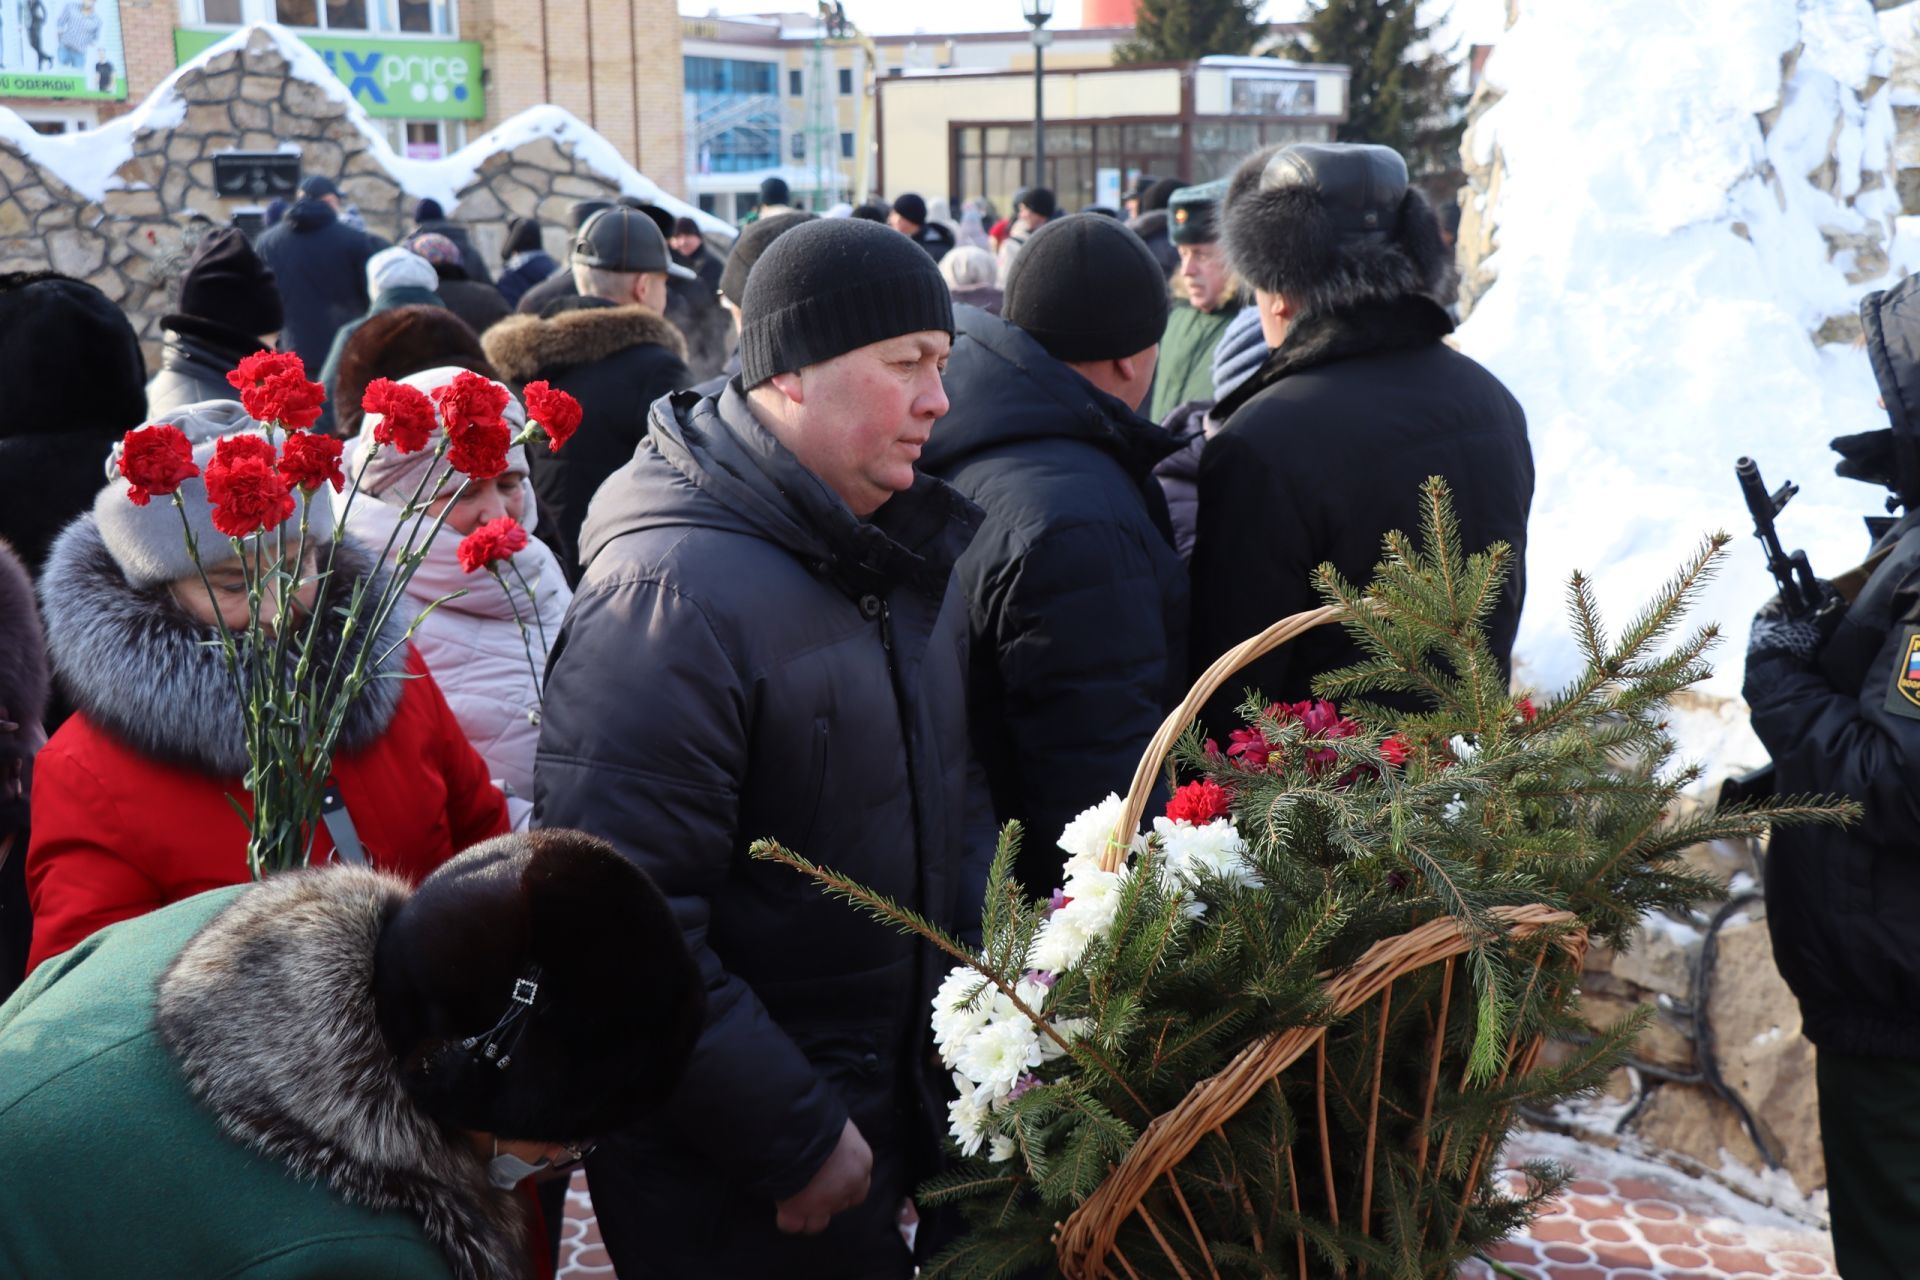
x: 1038, y: 11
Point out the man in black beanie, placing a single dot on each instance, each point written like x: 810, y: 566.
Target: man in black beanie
x: 1324, y: 449
x: 229, y: 309
x: 909, y: 218
x: 1077, y: 598
x: 767, y: 642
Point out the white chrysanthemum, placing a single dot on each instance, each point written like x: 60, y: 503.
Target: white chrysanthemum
x: 1061, y: 942
x: 1189, y: 852
x: 967, y: 1115
x: 997, y: 1055
x: 1463, y: 751
x: 1095, y: 899
x: 1001, y: 1148
x: 1068, y: 1029
x: 1032, y: 993
x: 953, y: 1021
x: 1085, y: 838
x: 1455, y: 809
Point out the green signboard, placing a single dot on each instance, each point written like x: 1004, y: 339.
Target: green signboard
x: 414, y: 79
x: 62, y: 49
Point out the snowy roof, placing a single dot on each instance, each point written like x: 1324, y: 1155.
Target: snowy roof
x: 88, y: 162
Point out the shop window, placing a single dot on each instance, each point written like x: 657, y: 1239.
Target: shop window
x: 797, y: 146
x: 846, y: 82
x: 846, y: 145
x: 795, y: 86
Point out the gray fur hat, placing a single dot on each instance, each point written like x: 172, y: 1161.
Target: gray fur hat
x: 1331, y: 225
x: 147, y: 542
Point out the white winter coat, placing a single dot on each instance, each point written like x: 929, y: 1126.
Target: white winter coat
x: 472, y: 645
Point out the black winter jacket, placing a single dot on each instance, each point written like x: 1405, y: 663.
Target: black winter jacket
x: 1076, y: 599
x: 523, y: 275
x: 195, y: 358
x: 1322, y: 454
x: 616, y: 361
x: 745, y: 658
x: 320, y: 264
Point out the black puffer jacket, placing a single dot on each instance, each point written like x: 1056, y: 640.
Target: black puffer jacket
x: 195, y: 358
x: 616, y: 361
x: 1843, y: 905
x: 1322, y: 454
x: 1076, y: 599
x: 320, y: 264
x: 745, y: 658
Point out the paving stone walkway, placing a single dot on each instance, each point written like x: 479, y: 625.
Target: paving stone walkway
x: 1622, y: 1219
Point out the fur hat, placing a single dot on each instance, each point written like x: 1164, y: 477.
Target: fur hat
x: 396, y: 343
x: 523, y: 236
x: 1331, y: 225
x: 538, y: 987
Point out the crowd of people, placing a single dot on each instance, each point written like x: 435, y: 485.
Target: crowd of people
x: 880, y: 529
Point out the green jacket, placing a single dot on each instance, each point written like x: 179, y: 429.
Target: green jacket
x: 116, y: 1168
x: 1185, y: 370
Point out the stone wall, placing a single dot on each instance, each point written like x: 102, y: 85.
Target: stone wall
x: 132, y: 239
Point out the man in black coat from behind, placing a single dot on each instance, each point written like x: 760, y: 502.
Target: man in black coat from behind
x: 1077, y: 600
x: 321, y: 265
x: 1835, y: 695
x: 229, y: 308
x: 1324, y: 450
x: 768, y: 642
x: 909, y: 218
x: 611, y: 349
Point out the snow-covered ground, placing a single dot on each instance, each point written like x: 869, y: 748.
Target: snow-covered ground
x: 1661, y: 267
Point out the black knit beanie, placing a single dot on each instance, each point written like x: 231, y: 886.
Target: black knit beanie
x: 747, y: 250
x: 1087, y: 288
x: 833, y: 286
x: 70, y: 361
x: 523, y: 236
x: 228, y: 283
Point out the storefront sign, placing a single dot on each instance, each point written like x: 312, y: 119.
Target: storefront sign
x: 62, y: 49
x: 410, y: 79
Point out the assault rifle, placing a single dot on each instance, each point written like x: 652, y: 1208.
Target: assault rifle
x: 1799, y: 589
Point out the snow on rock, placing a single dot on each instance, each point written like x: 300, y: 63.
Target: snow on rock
x: 1681, y: 199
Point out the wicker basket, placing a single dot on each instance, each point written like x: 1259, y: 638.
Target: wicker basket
x: 1087, y: 1242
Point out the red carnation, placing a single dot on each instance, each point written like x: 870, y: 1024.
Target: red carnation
x: 155, y: 460
x: 1395, y: 750
x: 248, y: 493
x: 406, y: 415
x: 555, y: 412
x: 273, y: 387
x: 493, y: 541
x: 1200, y: 803
x: 470, y: 407
x: 1528, y: 712
x: 309, y: 461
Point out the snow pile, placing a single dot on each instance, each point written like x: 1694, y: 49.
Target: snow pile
x: 88, y: 162
x: 1661, y: 269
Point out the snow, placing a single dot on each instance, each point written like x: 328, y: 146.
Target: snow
x: 1772, y: 1211
x: 88, y: 162
x: 1661, y: 267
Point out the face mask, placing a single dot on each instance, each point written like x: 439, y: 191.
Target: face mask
x: 507, y: 1171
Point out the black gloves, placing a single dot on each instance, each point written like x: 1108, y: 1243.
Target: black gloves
x: 1867, y: 456
x: 1775, y: 635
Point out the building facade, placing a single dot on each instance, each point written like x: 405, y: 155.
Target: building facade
x: 436, y: 73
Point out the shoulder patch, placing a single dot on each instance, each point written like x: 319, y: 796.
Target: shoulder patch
x: 1903, y: 699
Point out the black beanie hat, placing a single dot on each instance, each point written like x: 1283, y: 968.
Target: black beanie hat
x: 227, y: 283
x: 69, y: 360
x: 537, y: 987
x: 871, y: 211
x: 1040, y: 201
x: 747, y: 250
x: 1087, y: 288
x: 774, y: 191
x: 833, y: 286
x: 429, y: 210
x: 912, y: 208
x: 523, y: 236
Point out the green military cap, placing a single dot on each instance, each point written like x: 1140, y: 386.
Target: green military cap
x: 1193, y: 215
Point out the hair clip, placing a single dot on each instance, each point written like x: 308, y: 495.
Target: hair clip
x: 498, y: 1042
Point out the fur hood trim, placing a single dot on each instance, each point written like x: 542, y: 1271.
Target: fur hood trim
x: 1284, y: 241
x: 141, y: 669
x: 270, y: 1013
x: 523, y: 348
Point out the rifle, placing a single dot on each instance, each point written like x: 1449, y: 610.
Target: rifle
x: 1799, y: 589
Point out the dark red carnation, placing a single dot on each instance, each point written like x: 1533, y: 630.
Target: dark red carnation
x: 1528, y: 712
x: 309, y: 461
x: 1200, y: 803
x: 406, y: 415
x: 493, y: 541
x: 273, y: 387
x: 555, y: 412
x: 155, y: 460
x: 247, y: 490
x: 470, y: 408
x: 1395, y: 750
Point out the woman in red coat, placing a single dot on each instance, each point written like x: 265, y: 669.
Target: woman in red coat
x: 131, y: 807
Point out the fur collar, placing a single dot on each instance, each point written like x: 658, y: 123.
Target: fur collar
x: 523, y: 348
x: 143, y: 671
x: 1323, y: 338
x: 270, y: 1014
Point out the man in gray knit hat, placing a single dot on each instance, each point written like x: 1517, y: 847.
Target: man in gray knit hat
x: 767, y: 642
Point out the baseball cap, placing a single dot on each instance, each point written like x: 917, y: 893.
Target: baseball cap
x: 623, y: 239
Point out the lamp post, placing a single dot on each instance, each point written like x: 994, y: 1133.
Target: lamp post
x: 1038, y: 11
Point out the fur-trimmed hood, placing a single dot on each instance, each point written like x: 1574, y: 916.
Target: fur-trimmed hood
x: 270, y: 1014
x: 525, y: 347
x: 141, y: 669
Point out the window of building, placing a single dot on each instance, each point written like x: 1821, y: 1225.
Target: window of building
x: 846, y: 145
x: 734, y: 113
x: 797, y: 146
x: 846, y: 82
x: 411, y: 17
x: 795, y: 86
